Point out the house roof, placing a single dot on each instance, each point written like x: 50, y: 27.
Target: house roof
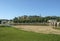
x: 4, y: 20
x: 52, y: 20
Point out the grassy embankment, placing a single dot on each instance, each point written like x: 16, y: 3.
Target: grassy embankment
x: 13, y: 34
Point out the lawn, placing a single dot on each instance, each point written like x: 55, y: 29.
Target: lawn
x: 14, y: 34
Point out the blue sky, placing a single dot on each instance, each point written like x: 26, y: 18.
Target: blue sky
x: 13, y: 8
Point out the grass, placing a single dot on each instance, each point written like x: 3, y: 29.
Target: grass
x: 13, y: 34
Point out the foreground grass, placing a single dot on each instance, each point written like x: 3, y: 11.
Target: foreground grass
x: 13, y: 34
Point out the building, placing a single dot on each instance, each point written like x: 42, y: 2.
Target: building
x: 5, y: 22
x: 54, y: 23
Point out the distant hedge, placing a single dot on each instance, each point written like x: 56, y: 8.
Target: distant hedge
x: 37, y: 24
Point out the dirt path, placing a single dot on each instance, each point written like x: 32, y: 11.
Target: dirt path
x: 39, y: 29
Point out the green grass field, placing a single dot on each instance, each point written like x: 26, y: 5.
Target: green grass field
x: 13, y: 34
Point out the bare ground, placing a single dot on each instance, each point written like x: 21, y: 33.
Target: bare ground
x: 39, y: 29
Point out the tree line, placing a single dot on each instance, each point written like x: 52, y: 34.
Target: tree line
x: 34, y: 19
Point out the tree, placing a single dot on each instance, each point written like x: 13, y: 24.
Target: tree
x: 15, y: 20
x: 34, y: 19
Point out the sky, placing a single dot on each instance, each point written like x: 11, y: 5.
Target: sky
x: 14, y: 8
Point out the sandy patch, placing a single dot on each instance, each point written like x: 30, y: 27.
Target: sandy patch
x: 39, y: 29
